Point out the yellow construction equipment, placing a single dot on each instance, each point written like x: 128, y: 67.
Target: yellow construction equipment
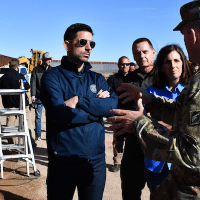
x: 24, y: 61
x: 34, y: 61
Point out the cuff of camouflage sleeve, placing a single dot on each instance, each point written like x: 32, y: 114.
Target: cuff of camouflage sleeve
x: 140, y: 123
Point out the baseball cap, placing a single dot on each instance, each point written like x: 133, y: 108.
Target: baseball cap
x: 189, y: 12
x: 46, y: 55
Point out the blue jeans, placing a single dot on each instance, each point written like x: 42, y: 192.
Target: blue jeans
x: 38, y: 116
x: 64, y: 176
x: 154, y: 179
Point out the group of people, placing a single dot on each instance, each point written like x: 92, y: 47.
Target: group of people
x: 76, y: 99
x: 163, y: 153
x: 171, y: 153
x: 167, y: 77
x: 11, y: 80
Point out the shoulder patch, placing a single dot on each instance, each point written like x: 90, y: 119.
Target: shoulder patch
x: 194, y: 117
x: 93, y: 88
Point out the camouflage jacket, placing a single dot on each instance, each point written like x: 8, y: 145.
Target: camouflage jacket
x: 181, y: 146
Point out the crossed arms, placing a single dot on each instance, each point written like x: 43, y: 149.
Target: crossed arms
x: 74, y: 100
x: 76, y: 109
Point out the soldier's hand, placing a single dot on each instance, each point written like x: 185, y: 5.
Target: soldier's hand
x: 124, y: 119
x: 133, y: 92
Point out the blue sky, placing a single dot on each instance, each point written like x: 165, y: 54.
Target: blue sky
x: 40, y: 25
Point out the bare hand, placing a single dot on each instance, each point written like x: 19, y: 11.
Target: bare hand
x: 134, y: 93
x: 125, y: 119
x: 72, y: 102
x: 103, y: 94
x: 32, y: 99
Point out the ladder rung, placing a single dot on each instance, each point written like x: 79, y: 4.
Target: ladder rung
x: 9, y: 129
x: 11, y: 91
x: 5, y: 112
x: 11, y: 146
x: 4, y: 157
x: 24, y: 149
x: 17, y: 134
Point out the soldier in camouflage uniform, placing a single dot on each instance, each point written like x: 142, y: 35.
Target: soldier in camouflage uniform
x: 181, y: 146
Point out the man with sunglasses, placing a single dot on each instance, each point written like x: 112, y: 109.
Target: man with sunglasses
x: 76, y: 100
x: 133, y: 159
x: 115, y: 80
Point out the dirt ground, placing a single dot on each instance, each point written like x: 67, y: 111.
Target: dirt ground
x: 17, y: 186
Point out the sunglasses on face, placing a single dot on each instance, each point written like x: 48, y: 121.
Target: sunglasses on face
x: 126, y: 64
x: 83, y: 42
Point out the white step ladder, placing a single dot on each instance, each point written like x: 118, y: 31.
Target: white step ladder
x: 24, y: 148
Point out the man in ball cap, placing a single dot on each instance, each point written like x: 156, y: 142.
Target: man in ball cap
x: 181, y: 147
x: 35, y: 91
x: 190, y: 28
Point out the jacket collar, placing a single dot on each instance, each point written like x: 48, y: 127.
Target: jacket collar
x: 13, y: 70
x: 179, y: 88
x: 121, y: 74
x: 138, y: 72
x: 44, y: 67
x: 72, y: 66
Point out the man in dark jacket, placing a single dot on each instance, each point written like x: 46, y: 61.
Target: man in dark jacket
x: 114, y: 81
x: 35, y: 91
x: 11, y: 80
x: 133, y: 159
x: 76, y: 99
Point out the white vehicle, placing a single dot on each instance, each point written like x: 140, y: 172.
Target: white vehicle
x: 22, y: 70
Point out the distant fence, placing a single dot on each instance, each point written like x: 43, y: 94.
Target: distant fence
x: 99, y: 67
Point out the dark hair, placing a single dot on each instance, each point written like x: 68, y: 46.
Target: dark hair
x: 193, y: 25
x: 193, y: 64
x: 122, y: 57
x: 132, y: 64
x: 139, y: 40
x: 72, y: 30
x: 159, y: 78
x: 13, y: 63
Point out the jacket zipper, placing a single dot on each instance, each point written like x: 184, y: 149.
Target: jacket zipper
x: 86, y: 125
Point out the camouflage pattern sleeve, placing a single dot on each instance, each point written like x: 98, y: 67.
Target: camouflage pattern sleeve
x: 162, y: 109
x: 182, y: 145
x: 187, y: 115
x: 158, y: 143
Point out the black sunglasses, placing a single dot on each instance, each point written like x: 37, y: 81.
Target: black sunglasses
x: 83, y: 42
x: 127, y: 64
